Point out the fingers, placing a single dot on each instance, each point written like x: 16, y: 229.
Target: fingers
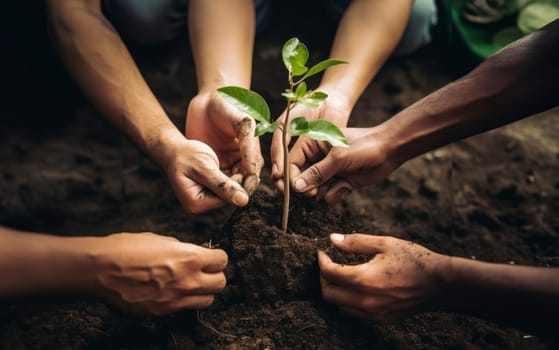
x: 360, y: 243
x: 188, y: 302
x: 194, y: 302
x: 304, y: 152
x: 317, y: 174
x: 294, y: 174
x: 195, y: 198
x: 336, y: 273
x: 214, y: 260
x: 251, y: 162
x: 339, y: 295
x: 276, y: 153
x: 220, y: 184
x: 353, y: 312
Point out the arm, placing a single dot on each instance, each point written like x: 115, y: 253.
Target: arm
x: 404, y: 279
x: 517, y: 82
x: 103, y: 68
x: 522, y: 296
x: 140, y: 273
x: 222, y: 38
x: 367, y: 34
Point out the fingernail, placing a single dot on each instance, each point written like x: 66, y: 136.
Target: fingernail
x: 240, y: 198
x: 251, y: 184
x: 275, y: 168
x: 338, y: 237
x: 300, y: 185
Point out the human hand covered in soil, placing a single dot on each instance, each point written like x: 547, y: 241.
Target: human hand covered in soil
x: 230, y: 134
x: 335, y: 172
x: 403, y: 278
x: 193, y: 171
x: 334, y: 109
x: 150, y: 274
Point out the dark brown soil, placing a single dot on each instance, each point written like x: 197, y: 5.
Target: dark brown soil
x: 64, y: 171
x: 270, y: 265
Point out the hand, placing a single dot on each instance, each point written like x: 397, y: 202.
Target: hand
x: 332, y: 109
x: 193, y: 171
x: 403, y: 278
x: 149, y: 274
x: 211, y: 120
x: 334, y: 173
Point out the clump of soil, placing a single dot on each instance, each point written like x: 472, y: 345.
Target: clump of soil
x: 270, y: 265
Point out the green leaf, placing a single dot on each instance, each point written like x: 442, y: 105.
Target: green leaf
x: 323, y: 130
x: 312, y: 99
x: 536, y: 15
x: 264, y: 127
x: 319, y: 95
x: 295, y: 56
x: 301, y: 89
x: 320, y: 66
x: 246, y: 101
x: 290, y: 95
x: 298, y: 126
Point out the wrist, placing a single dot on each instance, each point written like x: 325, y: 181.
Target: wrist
x: 457, y: 288
x: 339, y: 102
x: 401, y: 138
x: 209, y: 85
x: 444, y: 280
x: 162, y: 147
x: 61, y: 265
x: 383, y: 139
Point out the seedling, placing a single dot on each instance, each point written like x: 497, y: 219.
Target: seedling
x: 295, y: 56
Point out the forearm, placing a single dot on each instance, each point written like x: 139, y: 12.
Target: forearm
x: 527, y: 297
x: 103, y: 68
x: 34, y: 264
x: 367, y: 34
x: 517, y: 82
x: 222, y: 39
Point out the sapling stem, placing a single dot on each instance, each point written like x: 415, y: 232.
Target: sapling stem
x: 295, y: 55
x: 286, y: 189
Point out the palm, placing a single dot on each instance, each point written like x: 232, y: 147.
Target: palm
x: 212, y: 121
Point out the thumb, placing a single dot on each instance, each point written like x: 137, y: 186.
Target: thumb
x: 316, y: 175
x: 251, y: 158
x: 224, y: 187
x: 359, y: 243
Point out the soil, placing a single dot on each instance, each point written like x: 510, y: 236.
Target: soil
x: 65, y: 171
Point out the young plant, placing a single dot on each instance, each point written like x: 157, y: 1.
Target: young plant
x: 295, y: 56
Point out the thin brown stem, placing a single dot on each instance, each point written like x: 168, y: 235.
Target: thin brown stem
x: 286, y: 189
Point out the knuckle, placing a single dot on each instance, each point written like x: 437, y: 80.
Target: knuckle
x: 315, y: 175
x: 337, y: 156
x: 188, y: 285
